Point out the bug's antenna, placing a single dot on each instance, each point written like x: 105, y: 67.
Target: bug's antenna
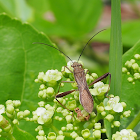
x: 88, y: 42
x: 52, y: 47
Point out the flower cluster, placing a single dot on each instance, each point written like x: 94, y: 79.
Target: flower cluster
x: 67, y: 113
x: 11, y: 111
x: 49, y: 83
x: 125, y: 135
x: 57, y: 111
x: 132, y: 68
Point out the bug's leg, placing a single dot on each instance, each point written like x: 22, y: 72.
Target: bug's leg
x: 67, y: 68
x: 101, y: 78
x: 90, y: 74
x: 64, y: 82
x: 64, y: 94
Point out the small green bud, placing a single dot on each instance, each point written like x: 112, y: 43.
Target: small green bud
x: 50, y: 92
x: 63, y: 128
x: 36, y: 81
x: 103, y: 113
x: 62, y: 85
x: 97, y: 126
x: 68, y: 118
x: 9, y: 102
x: 40, y: 76
x: 128, y: 64
x: 51, y: 136
x: 26, y: 113
x: 60, y: 132
x: 41, y: 103
x: 39, y: 128
x: 103, y: 130
x: 16, y: 103
x: 133, y: 83
x: 61, y: 100
x: 41, y: 132
x: 85, y: 133
x: 10, y: 109
x: 130, y: 79
x: 40, y: 94
x: 100, y: 108
x: 109, y: 117
x: 60, y: 137
x: 41, y: 137
x: 59, y: 109
x: 42, y: 86
x: 71, y: 105
x: 60, y: 119
x: 135, y: 66
x: 137, y: 56
x: 74, y: 85
x: 56, y: 117
x: 127, y: 113
x: 136, y: 76
x: 116, y: 123
x: 69, y: 126
x: 112, y: 126
x: 65, y: 112
x: 75, y: 128
x: 15, y: 121
x: 93, y: 115
x: 123, y: 104
x: 132, y: 61
x: 8, y: 128
x: 95, y: 76
x: 128, y: 73
x: 74, y: 135
x: 124, y: 70
x: 79, y: 138
x: 134, y: 134
x: 35, y: 117
x: 97, y: 134
x: 20, y: 115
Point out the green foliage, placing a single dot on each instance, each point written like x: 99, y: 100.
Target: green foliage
x: 21, y: 61
x: 72, y: 18
x: 130, y: 33
x: 22, y: 135
x: 130, y: 92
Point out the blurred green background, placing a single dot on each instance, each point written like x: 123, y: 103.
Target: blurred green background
x: 70, y: 24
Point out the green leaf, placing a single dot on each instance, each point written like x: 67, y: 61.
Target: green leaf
x: 130, y: 33
x: 115, y: 57
x: 16, y: 8
x: 21, y: 135
x: 21, y: 61
x: 131, y: 93
x: 72, y: 18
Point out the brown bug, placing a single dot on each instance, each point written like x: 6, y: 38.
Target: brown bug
x: 86, y: 98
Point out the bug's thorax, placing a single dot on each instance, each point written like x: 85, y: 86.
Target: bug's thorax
x: 78, y: 71
x: 77, y: 67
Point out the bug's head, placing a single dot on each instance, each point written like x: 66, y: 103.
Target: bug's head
x: 76, y: 64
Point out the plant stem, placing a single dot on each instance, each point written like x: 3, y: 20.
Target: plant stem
x: 115, y: 55
x: 134, y: 122
x: 55, y: 129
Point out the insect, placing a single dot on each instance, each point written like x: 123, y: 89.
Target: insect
x: 86, y: 98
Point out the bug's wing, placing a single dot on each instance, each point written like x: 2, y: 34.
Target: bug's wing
x: 86, y: 99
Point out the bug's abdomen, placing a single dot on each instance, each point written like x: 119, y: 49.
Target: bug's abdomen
x: 86, y: 99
